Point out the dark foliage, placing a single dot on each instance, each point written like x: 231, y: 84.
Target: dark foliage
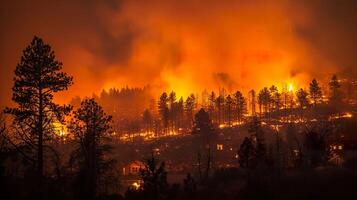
x: 37, y: 78
x: 91, y: 128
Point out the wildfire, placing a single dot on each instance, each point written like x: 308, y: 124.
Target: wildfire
x: 59, y: 129
x: 147, y: 136
x: 348, y: 115
x: 290, y: 87
x: 222, y: 126
x: 340, y: 116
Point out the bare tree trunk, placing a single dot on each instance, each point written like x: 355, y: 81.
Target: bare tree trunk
x: 40, y: 144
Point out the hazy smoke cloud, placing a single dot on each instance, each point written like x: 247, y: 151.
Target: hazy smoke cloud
x: 186, y: 45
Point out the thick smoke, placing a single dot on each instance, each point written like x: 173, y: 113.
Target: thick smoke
x: 186, y: 45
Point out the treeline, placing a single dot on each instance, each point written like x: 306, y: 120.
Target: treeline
x: 121, y: 103
x: 37, y: 163
x: 271, y: 102
x: 134, y: 109
x: 125, y: 105
x: 174, y: 114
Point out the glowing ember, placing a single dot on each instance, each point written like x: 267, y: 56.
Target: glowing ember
x: 341, y: 116
x: 348, y: 115
x: 136, y: 185
x: 222, y: 126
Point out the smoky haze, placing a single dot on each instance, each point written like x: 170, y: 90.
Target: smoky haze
x: 186, y: 46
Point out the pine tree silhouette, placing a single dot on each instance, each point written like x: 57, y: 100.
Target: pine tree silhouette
x: 37, y: 78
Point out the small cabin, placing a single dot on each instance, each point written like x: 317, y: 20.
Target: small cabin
x: 133, y: 168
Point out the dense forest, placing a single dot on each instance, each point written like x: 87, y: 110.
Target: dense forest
x: 272, y: 144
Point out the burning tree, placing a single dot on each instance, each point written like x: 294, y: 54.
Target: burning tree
x: 229, y: 105
x: 172, y: 109
x: 147, y: 120
x: 38, y: 77
x: 211, y: 107
x: 315, y: 92
x: 335, y: 93
x: 275, y: 98
x: 190, y: 109
x: 240, y: 105
x: 164, y: 109
x: 264, y: 99
x: 302, y: 100
x: 219, y: 102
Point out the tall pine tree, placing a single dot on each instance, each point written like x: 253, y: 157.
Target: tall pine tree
x: 240, y: 105
x: 38, y: 77
x: 91, y: 128
x: 335, y: 93
x: 315, y: 92
x: 302, y: 100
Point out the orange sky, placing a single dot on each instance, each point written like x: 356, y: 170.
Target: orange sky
x: 186, y: 46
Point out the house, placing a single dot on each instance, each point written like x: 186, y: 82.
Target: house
x: 133, y: 168
x: 343, y: 150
